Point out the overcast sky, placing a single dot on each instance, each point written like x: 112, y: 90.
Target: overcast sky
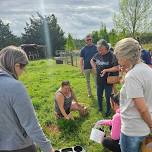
x: 78, y: 17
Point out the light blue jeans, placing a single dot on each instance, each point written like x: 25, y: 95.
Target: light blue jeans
x: 130, y: 143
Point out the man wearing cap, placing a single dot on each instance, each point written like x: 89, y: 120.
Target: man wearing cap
x: 105, y: 63
x: 86, y: 55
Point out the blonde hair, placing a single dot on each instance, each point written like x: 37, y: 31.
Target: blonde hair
x: 129, y: 49
x: 11, y: 55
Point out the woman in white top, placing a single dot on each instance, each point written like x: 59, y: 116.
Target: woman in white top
x: 135, y: 95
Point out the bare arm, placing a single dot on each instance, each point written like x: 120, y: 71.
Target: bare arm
x: 60, y: 102
x: 81, y: 64
x: 93, y: 64
x: 143, y: 110
x: 150, y: 65
x: 113, y: 69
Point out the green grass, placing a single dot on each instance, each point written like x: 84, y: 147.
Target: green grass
x: 42, y: 78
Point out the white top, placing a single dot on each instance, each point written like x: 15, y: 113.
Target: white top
x: 138, y: 83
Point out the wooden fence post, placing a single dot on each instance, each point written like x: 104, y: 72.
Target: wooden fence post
x: 71, y: 54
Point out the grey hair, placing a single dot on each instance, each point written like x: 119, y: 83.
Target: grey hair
x: 11, y: 55
x: 128, y: 48
x: 102, y: 43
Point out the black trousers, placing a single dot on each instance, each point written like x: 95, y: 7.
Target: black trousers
x: 101, y: 86
x: 27, y: 149
x: 111, y: 144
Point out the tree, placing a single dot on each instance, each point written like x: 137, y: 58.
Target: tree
x: 146, y: 38
x: 6, y: 36
x: 103, y: 34
x: 70, y: 45
x: 95, y: 36
x: 79, y: 43
x: 113, y: 37
x: 134, y: 16
x: 44, y: 30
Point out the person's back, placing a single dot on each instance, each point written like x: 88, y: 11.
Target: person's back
x: 19, y: 128
x: 11, y: 132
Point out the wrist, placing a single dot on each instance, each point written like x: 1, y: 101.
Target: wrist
x: 150, y: 126
x: 66, y: 117
x: 106, y: 70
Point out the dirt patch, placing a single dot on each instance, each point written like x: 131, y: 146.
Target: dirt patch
x: 53, y: 129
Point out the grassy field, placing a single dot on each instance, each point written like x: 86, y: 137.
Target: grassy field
x: 42, y: 78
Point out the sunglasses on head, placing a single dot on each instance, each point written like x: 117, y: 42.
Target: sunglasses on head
x: 65, y: 82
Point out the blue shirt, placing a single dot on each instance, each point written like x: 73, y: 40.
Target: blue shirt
x: 145, y: 56
x: 87, y: 53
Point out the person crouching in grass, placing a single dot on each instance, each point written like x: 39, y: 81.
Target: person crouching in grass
x: 65, y: 102
x: 112, y: 142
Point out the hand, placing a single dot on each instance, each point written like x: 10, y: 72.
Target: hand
x: 103, y: 72
x: 52, y: 150
x: 70, y: 116
x: 150, y: 128
x: 99, y: 123
x: 67, y: 117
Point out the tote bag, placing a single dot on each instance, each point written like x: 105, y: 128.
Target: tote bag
x: 147, y: 144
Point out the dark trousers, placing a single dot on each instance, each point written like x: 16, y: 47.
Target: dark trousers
x: 101, y: 86
x: 111, y: 144
x: 27, y: 149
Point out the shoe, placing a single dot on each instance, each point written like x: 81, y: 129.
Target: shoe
x: 107, y: 114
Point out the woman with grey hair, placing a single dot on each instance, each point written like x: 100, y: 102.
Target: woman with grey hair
x: 105, y: 63
x: 19, y: 128
x: 135, y: 95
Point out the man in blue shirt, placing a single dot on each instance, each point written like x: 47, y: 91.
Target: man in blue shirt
x: 86, y: 55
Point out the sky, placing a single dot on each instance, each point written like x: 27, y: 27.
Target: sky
x: 78, y: 17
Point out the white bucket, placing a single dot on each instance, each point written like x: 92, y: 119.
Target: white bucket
x: 97, y: 135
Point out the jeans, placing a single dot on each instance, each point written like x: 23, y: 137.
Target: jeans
x: 87, y: 73
x: 130, y: 143
x: 101, y: 86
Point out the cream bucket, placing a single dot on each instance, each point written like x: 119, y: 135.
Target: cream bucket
x: 97, y: 135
